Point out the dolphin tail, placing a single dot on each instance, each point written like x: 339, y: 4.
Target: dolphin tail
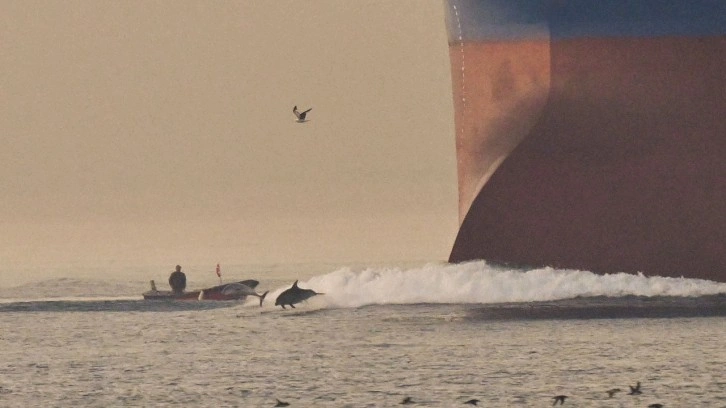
x: 262, y: 297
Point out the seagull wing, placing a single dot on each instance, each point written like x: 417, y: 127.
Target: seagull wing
x: 302, y: 115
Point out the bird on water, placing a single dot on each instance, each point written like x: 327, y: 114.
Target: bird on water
x: 612, y: 392
x: 635, y: 390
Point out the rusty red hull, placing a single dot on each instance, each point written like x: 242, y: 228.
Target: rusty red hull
x: 591, y: 138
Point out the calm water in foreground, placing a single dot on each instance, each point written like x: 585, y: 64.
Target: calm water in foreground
x: 121, y: 352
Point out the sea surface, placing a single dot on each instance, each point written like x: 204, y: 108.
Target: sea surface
x: 437, y: 333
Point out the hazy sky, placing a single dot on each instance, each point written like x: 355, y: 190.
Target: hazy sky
x: 160, y: 131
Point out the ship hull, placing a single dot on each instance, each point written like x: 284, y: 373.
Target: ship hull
x: 591, y: 135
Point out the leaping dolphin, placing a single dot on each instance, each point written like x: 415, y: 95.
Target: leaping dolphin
x: 241, y: 290
x: 294, y: 295
x: 300, y: 115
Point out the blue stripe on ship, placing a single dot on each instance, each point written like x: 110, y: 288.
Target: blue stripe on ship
x: 524, y: 19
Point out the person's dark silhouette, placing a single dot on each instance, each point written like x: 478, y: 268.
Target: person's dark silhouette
x: 178, y: 280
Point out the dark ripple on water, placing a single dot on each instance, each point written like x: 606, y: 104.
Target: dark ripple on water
x: 602, y: 307
x: 110, y: 306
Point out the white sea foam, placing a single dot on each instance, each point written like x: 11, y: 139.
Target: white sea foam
x: 479, y: 282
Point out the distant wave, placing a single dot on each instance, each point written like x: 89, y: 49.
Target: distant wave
x: 73, y: 289
x: 70, y: 299
x: 481, y: 283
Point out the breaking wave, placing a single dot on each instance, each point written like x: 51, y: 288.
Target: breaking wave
x: 482, y: 283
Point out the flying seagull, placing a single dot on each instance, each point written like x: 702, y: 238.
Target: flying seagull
x: 300, y: 115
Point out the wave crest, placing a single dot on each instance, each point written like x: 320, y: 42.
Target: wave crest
x: 479, y: 282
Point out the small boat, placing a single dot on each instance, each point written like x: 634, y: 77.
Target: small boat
x: 214, y: 293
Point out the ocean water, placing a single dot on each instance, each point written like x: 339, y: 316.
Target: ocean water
x: 439, y: 334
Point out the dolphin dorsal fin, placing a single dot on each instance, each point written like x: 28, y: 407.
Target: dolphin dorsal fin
x: 294, y: 285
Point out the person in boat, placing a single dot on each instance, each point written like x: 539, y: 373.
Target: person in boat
x: 178, y: 280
